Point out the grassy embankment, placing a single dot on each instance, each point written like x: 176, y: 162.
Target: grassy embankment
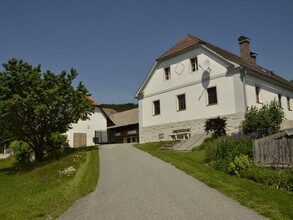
x: 267, y: 201
x: 46, y: 190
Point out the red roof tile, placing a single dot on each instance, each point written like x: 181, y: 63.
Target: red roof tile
x: 94, y: 103
x: 185, y: 43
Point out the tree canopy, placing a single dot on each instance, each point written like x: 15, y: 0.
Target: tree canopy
x: 120, y: 107
x: 34, y: 105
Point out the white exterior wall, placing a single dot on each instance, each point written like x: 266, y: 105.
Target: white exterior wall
x: 268, y: 92
x: 96, y: 122
x: 196, y: 103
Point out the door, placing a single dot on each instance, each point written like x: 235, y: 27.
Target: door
x: 79, y: 139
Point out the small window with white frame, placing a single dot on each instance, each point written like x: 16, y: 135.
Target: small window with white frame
x: 212, y: 98
x: 156, y: 107
x: 289, y: 104
x: 181, y: 103
x: 258, y: 94
x: 193, y: 64
x: 167, y: 73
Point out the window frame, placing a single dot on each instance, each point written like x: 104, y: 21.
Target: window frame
x: 280, y: 100
x: 193, y: 64
x: 208, y: 96
x: 258, y: 94
x: 289, y: 103
x: 167, y: 73
x: 155, y: 110
x: 181, y: 103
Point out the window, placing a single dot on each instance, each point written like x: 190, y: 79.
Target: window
x: 181, y: 104
x: 280, y: 100
x: 167, y: 73
x: 161, y: 136
x: 212, y: 96
x: 257, y: 95
x: 289, y: 104
x: 156, y: 107
x: 193, y: 64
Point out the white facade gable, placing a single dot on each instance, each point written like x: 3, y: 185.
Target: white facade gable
x: 85, y: 129
x: 193, y: 84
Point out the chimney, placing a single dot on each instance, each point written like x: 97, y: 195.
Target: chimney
x: 253, y: 57
x: 244, y: 48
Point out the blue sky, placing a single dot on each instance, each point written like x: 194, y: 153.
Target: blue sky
x: 113, y: 44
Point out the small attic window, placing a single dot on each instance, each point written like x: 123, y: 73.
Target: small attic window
x: 167, y: 73
x: 193, y: 64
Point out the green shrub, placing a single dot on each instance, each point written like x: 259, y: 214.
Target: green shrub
x: 275, y: 177
x: 216, y: 125
x: 21, y: 151
x: 240, y: 164
x: 223, y: 153
x: 56, y: 141
x: 265, y: 121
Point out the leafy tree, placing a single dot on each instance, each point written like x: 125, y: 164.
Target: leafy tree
x: 265, y: 121
x: 292, y: 80
x: 34, y: 105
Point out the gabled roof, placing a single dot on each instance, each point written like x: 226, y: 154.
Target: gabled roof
x: 190, y: 42
x: 94, y: 102
x: 109, y: 111
x: 124, y: 118
x: 185, y: 43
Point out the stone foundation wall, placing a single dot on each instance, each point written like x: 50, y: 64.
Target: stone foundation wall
x: 163, y: 132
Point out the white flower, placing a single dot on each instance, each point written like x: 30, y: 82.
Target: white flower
x: 68, y: 171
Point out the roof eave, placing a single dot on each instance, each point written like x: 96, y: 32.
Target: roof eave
x: 139, y: 92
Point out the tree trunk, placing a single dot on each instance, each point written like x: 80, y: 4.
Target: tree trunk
x: 39, y: 153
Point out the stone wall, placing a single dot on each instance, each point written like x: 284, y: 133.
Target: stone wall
x: 163, y: 132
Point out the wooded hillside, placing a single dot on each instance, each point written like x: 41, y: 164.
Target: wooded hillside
x: 120, y: 107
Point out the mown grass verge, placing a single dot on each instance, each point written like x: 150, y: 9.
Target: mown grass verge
x: 267, y: 201
x: 46, y: 191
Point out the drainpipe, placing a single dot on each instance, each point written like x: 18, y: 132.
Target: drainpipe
x: 243, y: 72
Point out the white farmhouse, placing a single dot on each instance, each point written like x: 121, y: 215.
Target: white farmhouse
x: 195, y: 81
x: 91, y: 131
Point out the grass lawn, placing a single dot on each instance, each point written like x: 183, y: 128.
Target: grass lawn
x: 46, y: 191
x: 267, y: 201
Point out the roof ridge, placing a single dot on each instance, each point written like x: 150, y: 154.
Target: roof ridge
x: 190, y: 41
x: 186, y: 42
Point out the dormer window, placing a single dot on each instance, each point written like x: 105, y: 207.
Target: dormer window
x: 193, y: 64
x: 167, y: 73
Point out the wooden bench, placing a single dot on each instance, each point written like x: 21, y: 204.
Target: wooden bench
x: 181, y: 134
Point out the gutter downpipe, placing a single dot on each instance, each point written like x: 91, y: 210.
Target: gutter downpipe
x: 243, y: 72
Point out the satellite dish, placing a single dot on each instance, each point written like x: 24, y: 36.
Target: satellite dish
x: 205, y: 78
x: 205, y: 66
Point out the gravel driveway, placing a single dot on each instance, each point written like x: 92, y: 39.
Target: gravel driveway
x: 135, y: 185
